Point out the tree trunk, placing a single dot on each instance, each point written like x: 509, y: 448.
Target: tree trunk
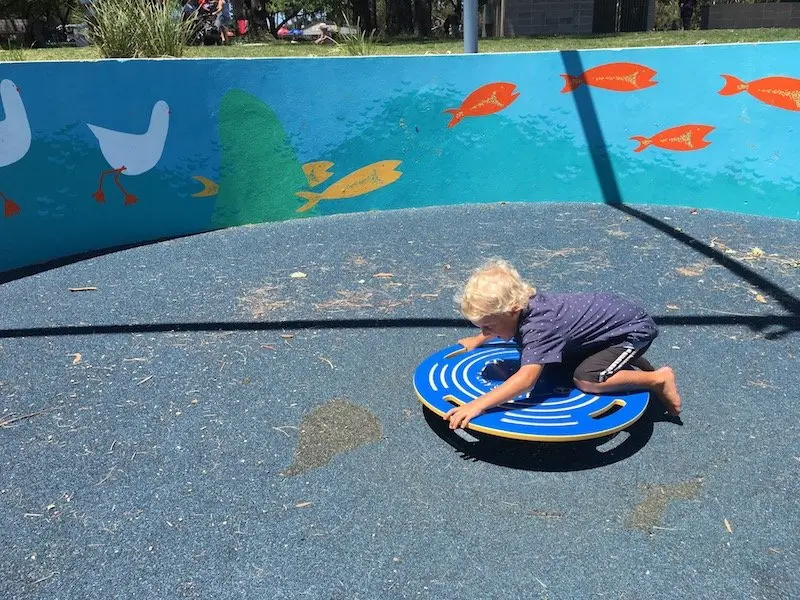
x: 362, y: 15
x: 399, y: 18
x: 373, y: 11
x: 422, y: 18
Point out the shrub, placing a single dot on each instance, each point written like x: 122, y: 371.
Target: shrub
x: 357, y: 43
x: 148, y: 28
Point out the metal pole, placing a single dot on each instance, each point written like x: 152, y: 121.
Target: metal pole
x: 470, y: 21
x: 651, y: 15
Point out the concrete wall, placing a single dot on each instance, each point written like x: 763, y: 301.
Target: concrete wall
x: 528, y: 17
x: 105, y: 153
x: 749, y: 16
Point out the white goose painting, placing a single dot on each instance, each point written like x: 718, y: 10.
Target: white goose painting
x: 132, y: 153
x: 15, y: 135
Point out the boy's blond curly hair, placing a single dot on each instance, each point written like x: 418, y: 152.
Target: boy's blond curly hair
x: 493, y: 288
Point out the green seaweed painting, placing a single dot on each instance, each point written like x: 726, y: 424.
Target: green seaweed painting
x: 259, y: 169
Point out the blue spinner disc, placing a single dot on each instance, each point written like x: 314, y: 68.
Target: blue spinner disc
x: 554, y: 411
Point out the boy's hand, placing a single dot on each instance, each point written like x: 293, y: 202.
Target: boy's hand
x: 472, y: 342
x: 461, y: 415
x: 520, y: 382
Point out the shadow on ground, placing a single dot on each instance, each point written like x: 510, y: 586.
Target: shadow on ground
x: 552, y: 457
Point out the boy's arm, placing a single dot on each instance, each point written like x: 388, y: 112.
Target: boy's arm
x: 519, y: 383
x: 475, y: 341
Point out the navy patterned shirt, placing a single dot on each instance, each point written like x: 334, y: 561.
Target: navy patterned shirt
x: 553, y: 325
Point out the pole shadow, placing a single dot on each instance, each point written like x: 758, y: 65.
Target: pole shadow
x: 612, y: 196
x: 775, y: 326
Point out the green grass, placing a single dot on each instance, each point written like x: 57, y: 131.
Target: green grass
x: 405, y: 46
x: 12, y: 53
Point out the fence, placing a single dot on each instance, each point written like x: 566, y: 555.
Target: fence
x: 617, y: 16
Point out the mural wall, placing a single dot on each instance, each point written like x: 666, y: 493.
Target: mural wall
x: 100, y: 154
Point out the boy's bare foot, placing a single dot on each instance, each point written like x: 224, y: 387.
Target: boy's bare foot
x: 667, y: 391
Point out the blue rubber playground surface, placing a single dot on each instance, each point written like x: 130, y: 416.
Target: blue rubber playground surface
x: 233, y: 415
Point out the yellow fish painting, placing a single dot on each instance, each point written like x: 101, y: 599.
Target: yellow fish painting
x: 317, y: 172
x: 210, y: 188
x: 364, y: 180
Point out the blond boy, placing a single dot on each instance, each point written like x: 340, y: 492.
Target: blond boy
x: 601, y: 335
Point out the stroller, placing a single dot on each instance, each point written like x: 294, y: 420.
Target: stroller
x: 205, y: 30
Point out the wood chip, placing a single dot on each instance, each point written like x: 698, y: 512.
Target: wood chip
x: 9, y: 420
x: 672, y: 306
x: 383, y: 275
x: 76, y: 358
x: 45, y: 578
x: 728, y: 526
x: 298, y: 275
x: 302, y: 504
x: 82, y: 289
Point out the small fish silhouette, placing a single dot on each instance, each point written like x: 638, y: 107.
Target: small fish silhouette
x: 210, y: 188
x: 486, y: 100
x: 783, y: 92
x: 680, y: 139
x: 10, y: 208
x: 364, y: 180
x: 618, y: 77
x: 317, y: 172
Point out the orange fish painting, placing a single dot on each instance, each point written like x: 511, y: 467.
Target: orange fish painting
x: 618, y: 77
x: 679, y: 139
x: 359, y: 182
x: 783, y: 92
x: 486, y: 100
x: 317, y: 172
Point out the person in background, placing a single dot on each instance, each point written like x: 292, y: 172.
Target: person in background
x: 224, y: 19
x: 687, y: 10
x: 324, y: 35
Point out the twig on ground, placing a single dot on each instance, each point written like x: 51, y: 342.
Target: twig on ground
x: 11, y: 419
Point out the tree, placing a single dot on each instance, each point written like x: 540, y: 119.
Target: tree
x: 399, y: 17
x: 422, y: 17
x: 362, y: 14
x: 39, y: 16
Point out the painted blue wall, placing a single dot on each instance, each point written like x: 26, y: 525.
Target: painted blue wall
x: 250, y: 125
